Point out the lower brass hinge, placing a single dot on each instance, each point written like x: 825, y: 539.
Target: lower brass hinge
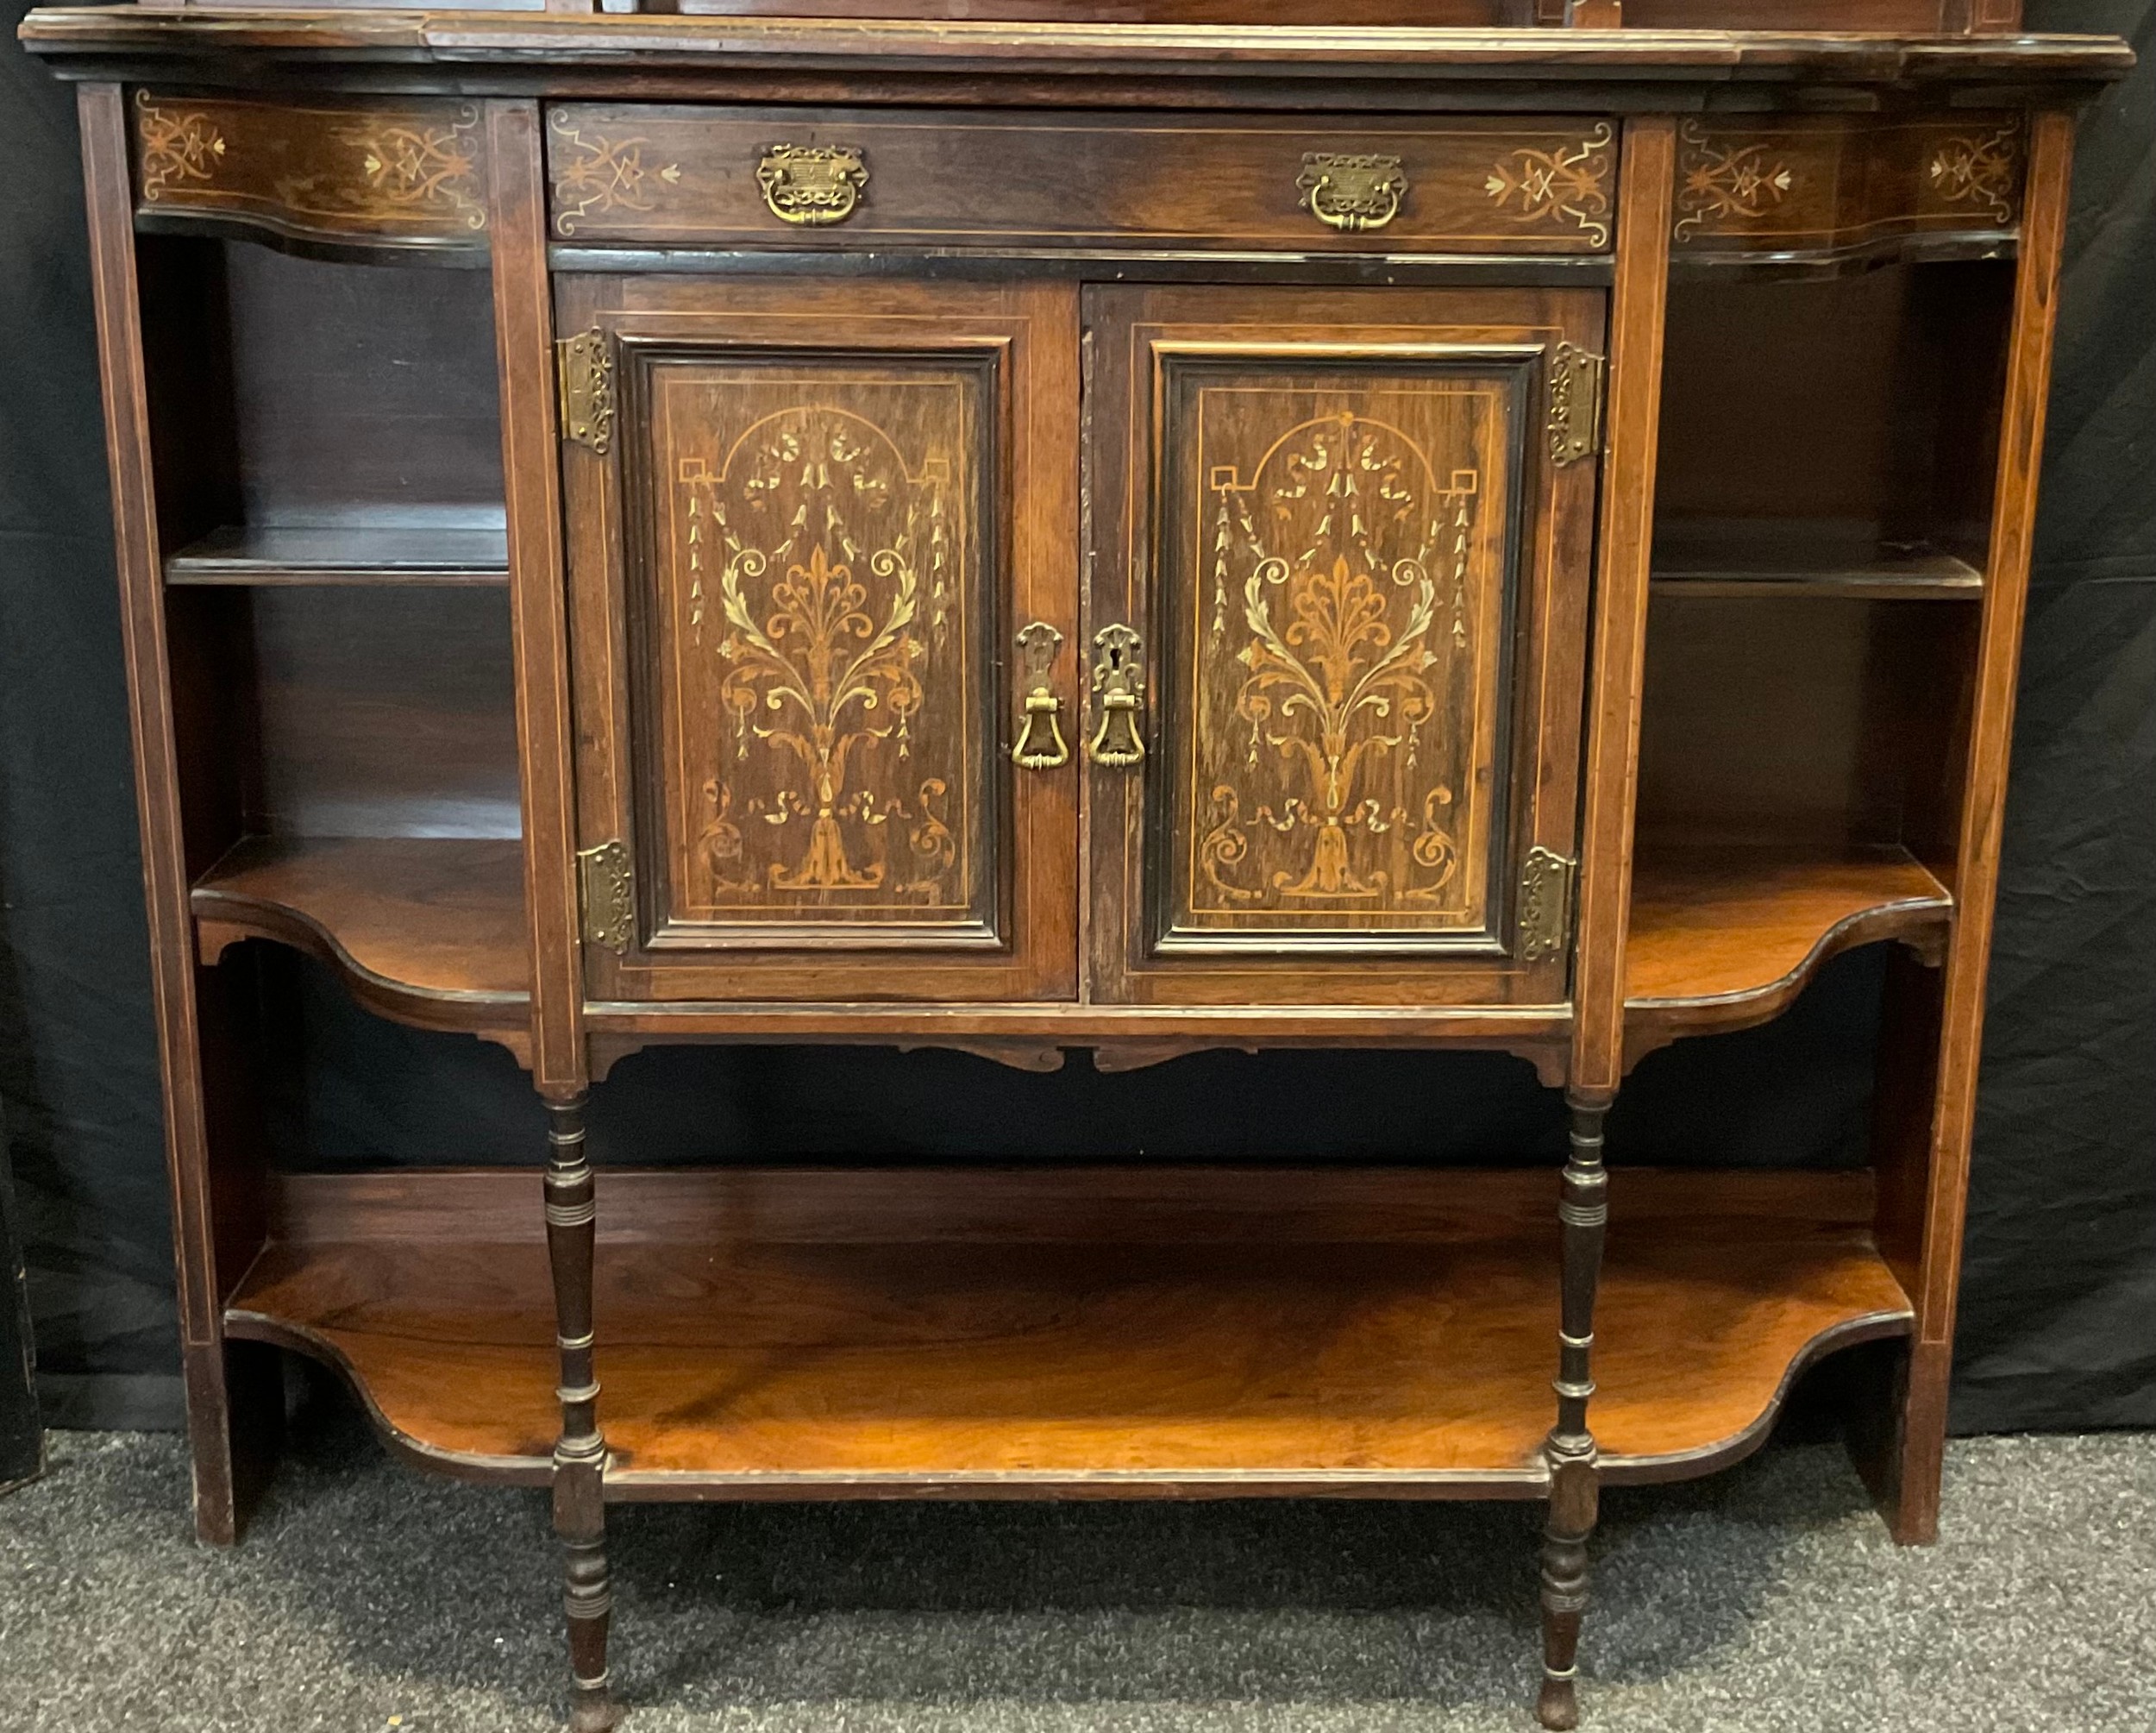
x: 1545, y: 905
x: 1576, y: 403
x: 586, y: 389
x: 608, y: 895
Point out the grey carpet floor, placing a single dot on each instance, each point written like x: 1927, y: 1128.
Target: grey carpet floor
x: 367, y: 1599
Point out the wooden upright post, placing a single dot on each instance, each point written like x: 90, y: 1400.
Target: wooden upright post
x: 1646, y: 183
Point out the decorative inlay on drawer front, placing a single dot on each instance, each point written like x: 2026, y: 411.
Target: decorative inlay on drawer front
x: 1824, y: 185
x: 404, y: 172
x: 687, y: 177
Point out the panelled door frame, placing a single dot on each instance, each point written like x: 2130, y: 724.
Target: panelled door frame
x: 1020, y: 339
x: 1133, y: 336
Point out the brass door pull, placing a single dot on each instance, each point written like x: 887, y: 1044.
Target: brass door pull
x: 1119, y: 682
x: 1351, y: 193
x: 1040, y: 745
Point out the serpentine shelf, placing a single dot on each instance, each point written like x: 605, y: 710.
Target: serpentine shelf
x: 1020, y: 1332
x: 428, y: 931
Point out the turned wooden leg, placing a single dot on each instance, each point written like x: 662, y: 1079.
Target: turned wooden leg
x: 1574, y: 1482
x: 579, y: 1457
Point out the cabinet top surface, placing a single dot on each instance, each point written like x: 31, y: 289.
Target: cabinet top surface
x: 519, y: 48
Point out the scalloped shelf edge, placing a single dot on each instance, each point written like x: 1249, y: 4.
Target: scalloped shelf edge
x: 1923, y: 925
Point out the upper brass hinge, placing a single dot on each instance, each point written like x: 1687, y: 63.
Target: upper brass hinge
x: 1545, y: 905
x: 608, y: 896
x: 1575, y: 402
x: 586, y: 389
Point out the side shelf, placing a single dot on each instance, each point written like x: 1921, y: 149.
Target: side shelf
x: 1106, y: 1331
x: 392, y: 553
x: 1723, y: 939
x: 424, y: 930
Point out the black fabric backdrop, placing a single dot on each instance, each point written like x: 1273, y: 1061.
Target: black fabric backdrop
x: 2060, y: 1282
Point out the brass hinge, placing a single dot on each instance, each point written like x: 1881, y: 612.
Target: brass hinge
x: 1546, y: 906
x: 587, y: 389
x: 608, y: 895
x: 1576, y: 403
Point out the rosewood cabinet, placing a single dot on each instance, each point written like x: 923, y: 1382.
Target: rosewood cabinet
x: 1139, y: 528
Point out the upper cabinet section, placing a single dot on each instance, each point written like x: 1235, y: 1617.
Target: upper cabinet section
x: 407, y: 172
x: 824, y: 177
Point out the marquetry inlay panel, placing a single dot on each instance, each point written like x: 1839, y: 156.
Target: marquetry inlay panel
x: 1823, y: 184
x: 407, y: 172
x: 819, y: 559
x: 1335, y: 552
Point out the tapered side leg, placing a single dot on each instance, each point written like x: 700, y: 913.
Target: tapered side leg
x: 579, y: 1458
x: 1574, y: 1481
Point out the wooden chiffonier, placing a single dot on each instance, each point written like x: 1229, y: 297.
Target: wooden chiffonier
x: 1024, y: 526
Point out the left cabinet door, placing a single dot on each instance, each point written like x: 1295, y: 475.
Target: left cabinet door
x: 822, y: 560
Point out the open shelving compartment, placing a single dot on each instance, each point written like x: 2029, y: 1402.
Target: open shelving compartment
x: 1821, y: 532
x: 330, y: 501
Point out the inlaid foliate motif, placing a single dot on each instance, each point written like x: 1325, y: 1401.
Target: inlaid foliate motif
x: 1347, y: 540
x: 1568, y: 185
x: 1827, y: 184
x: 826, y: 687
x: 412, y: 173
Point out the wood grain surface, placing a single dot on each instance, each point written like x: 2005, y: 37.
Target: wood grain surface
x: 784, y: 54
x: 411, y: 171
x: 1832, y: 186
x: 1724, y: 939
x: 652, y: 175
x: 1071, y: 1333
x: 428, y: 929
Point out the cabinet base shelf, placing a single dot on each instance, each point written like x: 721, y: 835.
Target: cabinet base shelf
x: 1071, y: 1333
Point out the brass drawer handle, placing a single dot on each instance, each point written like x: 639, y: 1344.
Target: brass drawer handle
x: 1118, y: 679
x: 1352, y: 193
x: 812, y: 185
x: 1038, y: 645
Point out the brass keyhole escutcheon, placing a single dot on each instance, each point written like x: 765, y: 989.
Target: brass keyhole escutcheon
x: 1119, y: 685
x: 810, y: 185
x: 1040, y: 744
x: 1351, y: 193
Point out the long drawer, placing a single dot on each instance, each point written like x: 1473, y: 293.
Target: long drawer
x: 728, y: 177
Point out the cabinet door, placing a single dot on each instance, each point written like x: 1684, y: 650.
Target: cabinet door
x: 809, y: 522
x: 1339, y: 554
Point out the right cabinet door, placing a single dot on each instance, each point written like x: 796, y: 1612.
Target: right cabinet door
x: 1338, y: 546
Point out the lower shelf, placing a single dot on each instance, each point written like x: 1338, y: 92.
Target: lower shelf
x: 1103, y: 1331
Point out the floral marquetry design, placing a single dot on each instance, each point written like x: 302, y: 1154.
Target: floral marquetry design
x: 824, y: 693
x: 1722, y: 184
x: 396, y: 172
x: 174, y: 146
x: 1829, y: 186
x: 594, y: 175
x: 1569, y: 186
x: 424, y: 167
x: 1982, y: 173
x: 1347, y: 656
